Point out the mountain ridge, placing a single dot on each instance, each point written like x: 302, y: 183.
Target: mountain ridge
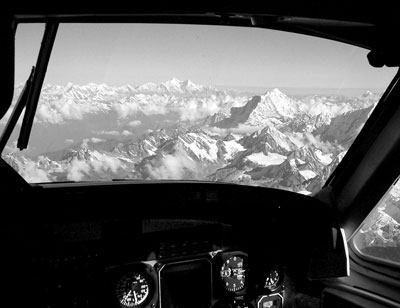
x: 178, y: 129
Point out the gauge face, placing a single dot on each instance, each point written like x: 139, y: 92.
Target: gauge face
x: 272, y: 280
x: 132, y: 290
x: 233, y: 274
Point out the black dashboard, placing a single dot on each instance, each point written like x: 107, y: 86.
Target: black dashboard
x: 166, y: 244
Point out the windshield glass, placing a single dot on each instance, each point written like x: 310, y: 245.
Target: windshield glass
x: 184, y: 102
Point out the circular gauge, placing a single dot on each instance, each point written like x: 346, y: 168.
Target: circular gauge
x: 233, y: 274
x: 273, y: 280
x: 132, y: 290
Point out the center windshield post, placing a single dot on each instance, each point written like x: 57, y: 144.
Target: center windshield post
x: 38, y: 78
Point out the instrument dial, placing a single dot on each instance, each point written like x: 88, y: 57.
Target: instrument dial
x: 273, y: 280
x: 233, y: 274
x: 132, y: 290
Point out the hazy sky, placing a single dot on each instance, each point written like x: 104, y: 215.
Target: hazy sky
x: 119, y: 54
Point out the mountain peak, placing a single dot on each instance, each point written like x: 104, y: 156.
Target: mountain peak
x: 148, y: 86
x: 174, y: 79
x: 275, y: 104
x: 69, y: 86
x: 276, y: 91
x: 367, y: 93
x: 188, y: 83
x: 173, y: 82
x: 176, y: 85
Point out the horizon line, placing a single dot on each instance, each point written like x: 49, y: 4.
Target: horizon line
x: 241, y: 88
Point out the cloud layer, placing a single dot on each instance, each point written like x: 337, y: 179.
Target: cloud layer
x: 176, y: 166
x: 78, y: 170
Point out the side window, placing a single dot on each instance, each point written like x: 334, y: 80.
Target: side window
x: 379, y: 234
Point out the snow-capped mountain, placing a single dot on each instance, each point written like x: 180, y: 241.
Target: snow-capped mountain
x: 337, y: 104
x: 272, y: 106
x: 104, y: 92
x: 305, y: 122
x: 277, y: 109
x: 345, y: 127
x: 146, y: 146
x: 176, y: 87
x: 59, y: 104
x: 269, y: 139
x: 75, y: 112
x: 181, y: 130
x: 193, y: 153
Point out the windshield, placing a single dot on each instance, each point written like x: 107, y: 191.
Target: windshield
x: 209, y: 103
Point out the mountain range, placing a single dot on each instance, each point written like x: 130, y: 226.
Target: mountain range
x: 184, y: 131
x: 181, y: 130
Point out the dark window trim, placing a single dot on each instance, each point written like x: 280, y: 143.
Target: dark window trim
x: 375, y: 268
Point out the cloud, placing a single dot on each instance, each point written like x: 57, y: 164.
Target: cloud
x: 32, y: 174
x: 307, y: 139
x: 316, y: 106
x: 105, y: 163
x: 126, y: 109
x: 242, y: 129
x: 239, y: 102
x: 211, y: 130
x: 197, y: 109
x: 245, y: 129
x: 156, y: 105
x: 326, y: 147
x: 152, y: 108
x: 135, y: 123
x: 11, y: 147
x: 47, y: 114
x: 69, y: 141
x: 85, y: 143
x: 188, y: 109
x: 177, y: 166
x: 111, y: 132
x: 53, y: 110
x: 126, y: 133
x: 77, y: 170
x: 28, y: 169
x: 96, y: 140
x: 56, y: 112
x: 72, y: 110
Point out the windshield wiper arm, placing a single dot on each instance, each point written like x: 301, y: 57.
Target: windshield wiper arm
x: 37, y: 82
x: 19, y: 106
